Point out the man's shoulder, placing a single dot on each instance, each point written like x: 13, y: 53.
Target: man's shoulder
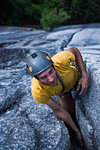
x: 35, y: 84
x: 37, y: 87
x: 63, y: 57
x: 39, y: 93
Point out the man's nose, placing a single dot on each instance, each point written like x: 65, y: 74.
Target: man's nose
x: 50, y: 78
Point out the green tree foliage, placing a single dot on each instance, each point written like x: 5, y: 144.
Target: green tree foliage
x: 92, y: 13
x: 27, y: 10
x: 85, y: 11
x: 49, y: 13
x: 51, y: 18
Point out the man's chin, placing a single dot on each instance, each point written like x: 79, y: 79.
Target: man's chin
x: 52, y: 84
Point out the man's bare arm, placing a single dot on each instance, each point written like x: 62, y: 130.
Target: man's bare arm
x: 63, y: 114
x: 79, y: 60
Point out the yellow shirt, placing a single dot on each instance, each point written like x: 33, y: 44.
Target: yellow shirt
x: 42, y: 93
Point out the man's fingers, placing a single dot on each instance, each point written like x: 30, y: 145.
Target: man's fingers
x: 82, y: 86
x: 78, y: 87
x: 82, y: 90
x: 79, y: 137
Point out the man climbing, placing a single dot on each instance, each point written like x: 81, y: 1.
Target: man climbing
x: 56, y: 76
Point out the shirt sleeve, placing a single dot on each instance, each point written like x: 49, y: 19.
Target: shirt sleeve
x: 40, y: 96
x: 64, y: 57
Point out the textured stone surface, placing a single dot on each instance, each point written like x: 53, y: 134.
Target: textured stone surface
x: 24, y: 124
x: 88, y: 105
x: 28, y: 126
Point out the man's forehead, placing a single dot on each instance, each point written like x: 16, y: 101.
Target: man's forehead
x: 45, y: 72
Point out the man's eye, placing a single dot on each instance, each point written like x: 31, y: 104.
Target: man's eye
x: 51, y: 71
x: 43, y: 78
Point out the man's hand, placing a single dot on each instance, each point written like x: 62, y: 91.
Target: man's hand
x: 83, y: 84
x: 79, y: 138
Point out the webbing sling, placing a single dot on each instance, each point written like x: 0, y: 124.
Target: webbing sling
x: 61, y: 82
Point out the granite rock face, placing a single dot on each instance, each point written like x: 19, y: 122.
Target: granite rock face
x: 24, y: 124
x: 28, y: 126
x: 87, y: 105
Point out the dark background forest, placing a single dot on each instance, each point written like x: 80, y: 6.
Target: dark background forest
x: 49, y: 13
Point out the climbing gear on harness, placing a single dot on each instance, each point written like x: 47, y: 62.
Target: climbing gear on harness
x: 38, y: 62
x: 74, y: 68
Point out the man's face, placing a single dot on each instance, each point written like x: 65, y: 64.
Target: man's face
x: 48, y: 77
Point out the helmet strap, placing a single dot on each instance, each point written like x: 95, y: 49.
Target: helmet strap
x: 36, y: 77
